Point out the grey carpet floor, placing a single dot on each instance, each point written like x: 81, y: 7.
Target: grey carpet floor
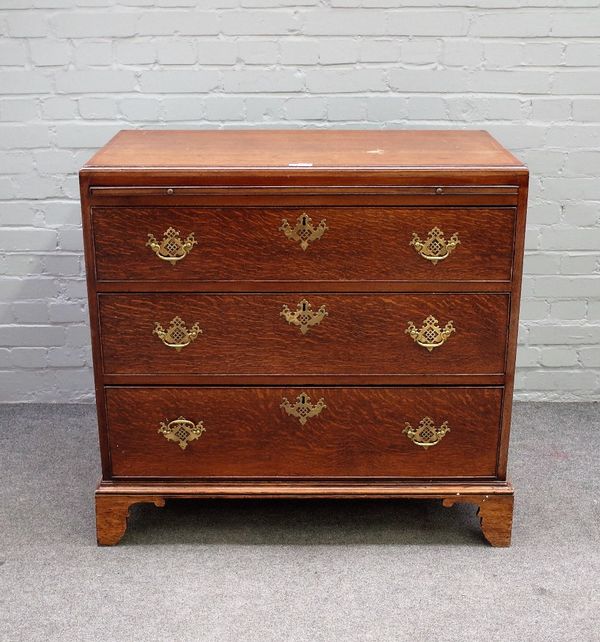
x: 301, y: 570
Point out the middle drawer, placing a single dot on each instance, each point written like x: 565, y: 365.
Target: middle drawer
x: 311, y: 334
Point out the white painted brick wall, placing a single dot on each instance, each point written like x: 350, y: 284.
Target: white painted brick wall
x: 73, y: 72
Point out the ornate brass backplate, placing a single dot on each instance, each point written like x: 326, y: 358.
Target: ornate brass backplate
x: 171, y: 248
x: 303, y: 409
x: 426, y: 434
x: 303, y: 231
x: 435, y: 247
x: 430, y: 335
x: 177, y: 335
x: 181, y: 431
x: 304, y: 316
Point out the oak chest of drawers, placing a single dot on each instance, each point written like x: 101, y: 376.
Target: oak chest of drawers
x: 304, y: 314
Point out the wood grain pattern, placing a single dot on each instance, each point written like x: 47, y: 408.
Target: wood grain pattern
x: 304, y: 286
x: 321, y: 148
x: 112, y: 514
x: 513, y: 329
x: 495, y: 514
x: 245, y: 334
x: 358, y: 434
x: 494, y: 498
x: 293, y: 179
x: 394, y: 193
x: 361, y: 244
x: 90, y: 272
x: 399, y: 379
x: 306, y: 489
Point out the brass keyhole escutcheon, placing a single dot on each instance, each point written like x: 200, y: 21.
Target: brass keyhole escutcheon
x: 304, y: 316
x: 303, y: 231
x: 302, y: 408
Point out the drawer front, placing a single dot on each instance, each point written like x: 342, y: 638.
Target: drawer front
x: 303, y: 432
x: 277, y: 334
x: 310, y: 244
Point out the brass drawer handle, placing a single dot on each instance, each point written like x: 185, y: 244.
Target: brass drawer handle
x: 304, y: 316
x: 435, y: 247
x: 172, y: 248
x: 426, y: 434
x: 303, y: 409
x: 181, y: 431
x: 177, y: 335
x: 303, y: 231
x: 430, y: 335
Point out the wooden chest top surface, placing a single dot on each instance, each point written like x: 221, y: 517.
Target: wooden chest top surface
x: 303, y: 149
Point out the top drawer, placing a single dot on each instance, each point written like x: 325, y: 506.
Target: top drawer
x: 303, y: 244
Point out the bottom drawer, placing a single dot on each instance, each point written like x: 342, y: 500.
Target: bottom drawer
x: 303, y: 432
